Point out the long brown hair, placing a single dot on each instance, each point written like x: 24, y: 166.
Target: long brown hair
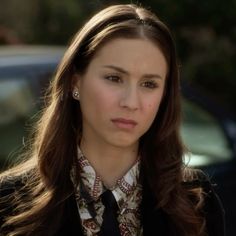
x: 54, y: 148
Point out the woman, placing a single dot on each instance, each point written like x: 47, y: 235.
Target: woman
x: 111, y: 129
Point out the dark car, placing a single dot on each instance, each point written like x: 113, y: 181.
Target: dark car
x: 208, y: 132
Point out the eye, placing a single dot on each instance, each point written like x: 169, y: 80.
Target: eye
x: 113, y: 78
x: 150, y: 84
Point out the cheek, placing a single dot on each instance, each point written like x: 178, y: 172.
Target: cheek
x: 99, y: 98
x: 151, y: 108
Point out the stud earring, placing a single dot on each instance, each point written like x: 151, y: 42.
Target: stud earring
x: 76, y: 94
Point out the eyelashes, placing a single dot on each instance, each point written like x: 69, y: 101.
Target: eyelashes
x: 113, y: 78
x: 150, y: 83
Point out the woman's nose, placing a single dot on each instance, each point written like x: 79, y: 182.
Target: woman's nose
x: 130, y: 98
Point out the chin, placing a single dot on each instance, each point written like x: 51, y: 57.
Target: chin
x: 123, y: 143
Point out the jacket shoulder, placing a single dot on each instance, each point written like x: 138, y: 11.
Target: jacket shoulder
x: 10, y: 189
x: 212, y: 207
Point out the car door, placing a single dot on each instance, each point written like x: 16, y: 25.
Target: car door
x: 21, y: 94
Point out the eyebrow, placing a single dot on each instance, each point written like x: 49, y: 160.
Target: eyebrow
x: 121, y: 70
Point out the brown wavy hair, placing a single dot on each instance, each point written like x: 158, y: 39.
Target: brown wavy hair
x: 54, y: 149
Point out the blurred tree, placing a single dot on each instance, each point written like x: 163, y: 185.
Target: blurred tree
x: 59, y: 20
x: 16, y: 19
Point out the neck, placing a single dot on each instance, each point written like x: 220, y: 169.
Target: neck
x: 110, y: 162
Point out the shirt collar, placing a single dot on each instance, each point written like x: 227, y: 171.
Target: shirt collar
x: 94, y: 187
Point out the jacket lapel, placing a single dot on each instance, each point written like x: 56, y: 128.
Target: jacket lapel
x: 71, y: 224
x: 155, y: 221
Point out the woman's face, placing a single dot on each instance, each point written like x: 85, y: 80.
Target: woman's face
x: 121, y: 91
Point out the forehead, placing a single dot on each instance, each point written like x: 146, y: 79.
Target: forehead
x: 133, y: 54
x: 120, y: 44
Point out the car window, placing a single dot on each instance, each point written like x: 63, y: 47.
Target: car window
x: 16, y: 106
x: 203, y: 137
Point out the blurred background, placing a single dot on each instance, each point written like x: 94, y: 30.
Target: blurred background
x: 205, y: 32
x: 34, y: 36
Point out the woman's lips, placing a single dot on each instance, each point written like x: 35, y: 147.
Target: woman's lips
x: 124, y: 123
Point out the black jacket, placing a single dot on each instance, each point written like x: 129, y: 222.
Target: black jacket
x: 155, y: 221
